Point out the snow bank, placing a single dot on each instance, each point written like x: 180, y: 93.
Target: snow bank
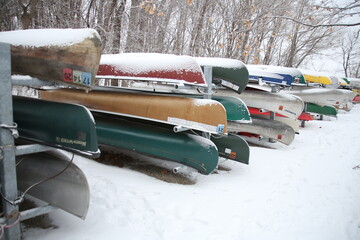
x: 47, y: 37
x: 308, y: 190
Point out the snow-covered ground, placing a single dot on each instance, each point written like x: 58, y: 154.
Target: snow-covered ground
x: 309, y: 190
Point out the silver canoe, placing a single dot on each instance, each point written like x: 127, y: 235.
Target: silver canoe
x: 271, y: 129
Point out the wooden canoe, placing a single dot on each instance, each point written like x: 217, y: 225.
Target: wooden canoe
x: 68, y: 191
x: 284, y: 104
x: 68, y: 56
x: 146, y: 138
x: 264, y: 127
x: 230, y: 73
x: 200, y: 114
x: 60, y: 125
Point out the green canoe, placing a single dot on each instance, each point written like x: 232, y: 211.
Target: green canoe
x: 141, y: 136
x: 232, y: 147
x: 61, y: 125
x: 323, y: 110
x: 230, y: 73
x: 236, y: 109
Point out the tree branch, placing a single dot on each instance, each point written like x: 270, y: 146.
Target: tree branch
x: 318, y: 25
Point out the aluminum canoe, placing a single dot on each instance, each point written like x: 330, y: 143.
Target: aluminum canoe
x: 325, y: 97
x: 68, y: 56
x: 60, y: 125
x: 68, y: 191
x: 265, y: 127
x: 285, y: 104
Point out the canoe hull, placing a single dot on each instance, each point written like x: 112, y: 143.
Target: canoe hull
x: 199, y: 114
x: 61, y: 125
x: 74, y: 63
x: 285, y: 104
x: 125, y: 133
x: 232, y: 147
x: 68, y: 191
x: 268, y: 128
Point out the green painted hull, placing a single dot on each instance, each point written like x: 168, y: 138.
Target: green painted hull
x: 323, y: 110
x: 230, y: 73
x: 61, y: 125
x: 236, y: 109
x: 232, y: 147
x: 140, y: 136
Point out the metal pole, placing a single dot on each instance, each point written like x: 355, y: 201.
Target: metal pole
x: 208, y: 78
x: 7, y: 148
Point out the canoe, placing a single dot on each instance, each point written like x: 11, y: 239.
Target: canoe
x: 143, y: 137
x: 259, y: 75
x: 68, y: 56
x: 232, y: 147
x: 68, y: 191
x: 230, y: 73
x: 286, y: 72
x: 60, y: 125
x: 324, y: 97
x: 316, y: 77
x: 151, y: 66
x: 200, y: 114
x: 259, y: 113
x: 264, y: 127
x: 236, y: 109
x: 284, y: 104
x: 322, y: 110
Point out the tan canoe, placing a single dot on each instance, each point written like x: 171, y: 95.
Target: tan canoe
x: 199, y: 114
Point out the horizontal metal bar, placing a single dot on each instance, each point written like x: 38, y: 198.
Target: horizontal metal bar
x: 31, y: 148
x: 34, y: 212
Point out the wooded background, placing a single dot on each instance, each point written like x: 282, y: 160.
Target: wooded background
x: 276, y: 32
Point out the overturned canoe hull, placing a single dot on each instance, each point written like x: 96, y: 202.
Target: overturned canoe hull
x: 61, y: 125
x: 325, y: 97
x: 147, y: 67
x: 267, y: 128
x: 68, y: 191
x: 126, y: 133
x: 68, y: 56
x: 284, y: 104
x: 232, y: 147
x: 200, y: 114
x: 230, y: 73
x: 322, y: 110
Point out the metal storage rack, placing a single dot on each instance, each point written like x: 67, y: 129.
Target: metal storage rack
x: 10, y: 222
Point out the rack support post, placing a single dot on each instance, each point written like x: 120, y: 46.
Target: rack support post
x: 8, y: 179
